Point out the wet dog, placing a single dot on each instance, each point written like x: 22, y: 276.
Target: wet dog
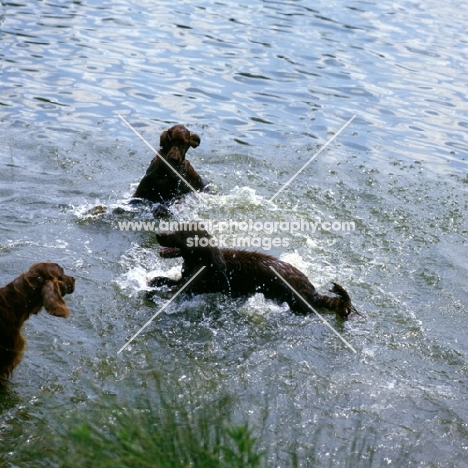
x: 175, y: 176
x: 242, y: 273
x: 43, y: 285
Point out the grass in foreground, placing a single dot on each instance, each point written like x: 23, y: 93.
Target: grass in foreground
x: 160, y: 433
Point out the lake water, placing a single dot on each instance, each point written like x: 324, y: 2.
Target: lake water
x: 265, y: 84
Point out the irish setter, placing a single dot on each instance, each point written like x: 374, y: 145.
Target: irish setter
x: 242, y: 273
x: 42, y: 286
x: 160, y: 183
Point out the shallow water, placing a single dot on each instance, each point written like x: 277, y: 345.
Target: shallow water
x: 265, y: 85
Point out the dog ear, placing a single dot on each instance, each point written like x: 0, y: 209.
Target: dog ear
x: 194, y: 140
x: 164, y: 139
x: 52, y: 299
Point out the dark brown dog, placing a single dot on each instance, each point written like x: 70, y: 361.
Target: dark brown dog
x: 161, y: 184
x: 42, y: 286
x: 242, y: 273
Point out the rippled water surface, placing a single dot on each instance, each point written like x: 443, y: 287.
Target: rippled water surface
x: 265, y: 84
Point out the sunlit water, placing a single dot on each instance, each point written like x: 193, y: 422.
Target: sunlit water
x: 265, y: 84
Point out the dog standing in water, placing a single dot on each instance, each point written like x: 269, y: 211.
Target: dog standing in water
x: 161, y: 184
x: 43, y: 285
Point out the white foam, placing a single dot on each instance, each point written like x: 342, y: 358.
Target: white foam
x: 296, y: 260
x: 257, y: 305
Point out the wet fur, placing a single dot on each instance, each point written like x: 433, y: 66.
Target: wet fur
x: 43, y: 285
x: 160, y: 184
x: 243, y: 273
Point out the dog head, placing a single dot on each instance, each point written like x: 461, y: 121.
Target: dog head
x: 193, y: 245
x: 175, y: 143
x: 49, y: 283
